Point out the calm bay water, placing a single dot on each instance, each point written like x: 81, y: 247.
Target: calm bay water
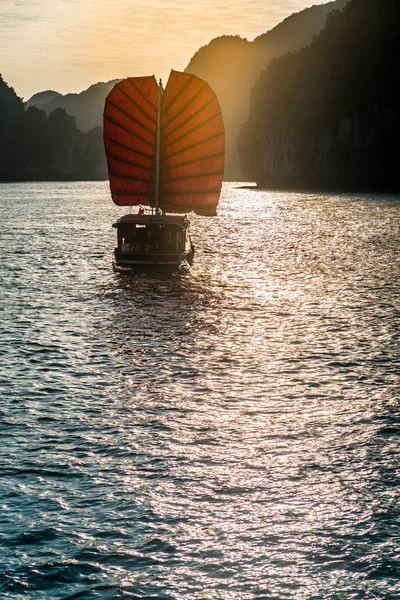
x: 231, y: 434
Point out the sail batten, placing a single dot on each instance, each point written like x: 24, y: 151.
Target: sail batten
x: 188, y: 120
x: 192, y: 143
x: 136, y: 105
x: 127, y: 162
x: 195, y: 176
x: 188, y: 133
x: 129, y: 131
x: 184, y: 108
x: 171, y: 101
x: 145, y: 98
x: 136, y: 178
x: 194, y: 192
x: 125, y: 147
x: 130, y: 117
x: 219, y: 155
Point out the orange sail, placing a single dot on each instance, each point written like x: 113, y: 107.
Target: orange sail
x: 130, y: 127
x: 192, y: 145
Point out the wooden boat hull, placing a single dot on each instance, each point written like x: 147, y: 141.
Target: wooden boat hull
x: 125, y: 262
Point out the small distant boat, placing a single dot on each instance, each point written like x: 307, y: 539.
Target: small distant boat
x: 165, y: 153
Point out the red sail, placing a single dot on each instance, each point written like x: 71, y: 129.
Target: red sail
x: 192, y: 143
x: 130, y: 126
x: 192, y: 146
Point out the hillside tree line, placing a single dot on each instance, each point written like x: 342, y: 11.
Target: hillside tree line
x: 34, y: 146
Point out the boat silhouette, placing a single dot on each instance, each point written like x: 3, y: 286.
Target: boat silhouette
x: 165, y: 154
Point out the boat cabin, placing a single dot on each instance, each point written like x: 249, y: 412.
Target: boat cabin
x: 152, y: 239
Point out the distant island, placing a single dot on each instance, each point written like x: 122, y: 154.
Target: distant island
x: 307, y: 105
x: 87, y: 106
x: 34, y: 146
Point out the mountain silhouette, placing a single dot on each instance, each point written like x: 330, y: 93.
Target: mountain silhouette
x: 34, y: 146
x: 327, y: 117
x: 230, y: 64
x: 87, y: 106
x: 42, y: 98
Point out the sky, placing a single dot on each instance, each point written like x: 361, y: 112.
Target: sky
x: 67, y: 45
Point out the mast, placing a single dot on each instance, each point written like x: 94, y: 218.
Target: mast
x: 158, y: 155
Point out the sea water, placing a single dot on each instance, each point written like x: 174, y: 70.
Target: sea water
x: 230, y: 434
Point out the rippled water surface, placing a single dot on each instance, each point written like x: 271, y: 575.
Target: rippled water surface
x: 231, y: 434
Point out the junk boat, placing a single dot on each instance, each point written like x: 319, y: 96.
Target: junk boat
x: 165, y: 153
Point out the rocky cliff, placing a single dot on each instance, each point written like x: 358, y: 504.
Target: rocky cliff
x: 326, y: 117
x: 231, y: 65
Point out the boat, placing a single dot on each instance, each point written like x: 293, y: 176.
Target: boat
x: 165, y: 153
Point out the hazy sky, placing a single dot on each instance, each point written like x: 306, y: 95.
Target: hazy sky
x: 66, y: 45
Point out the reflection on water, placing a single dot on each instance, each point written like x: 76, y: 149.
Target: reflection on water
x: 229, y: 434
